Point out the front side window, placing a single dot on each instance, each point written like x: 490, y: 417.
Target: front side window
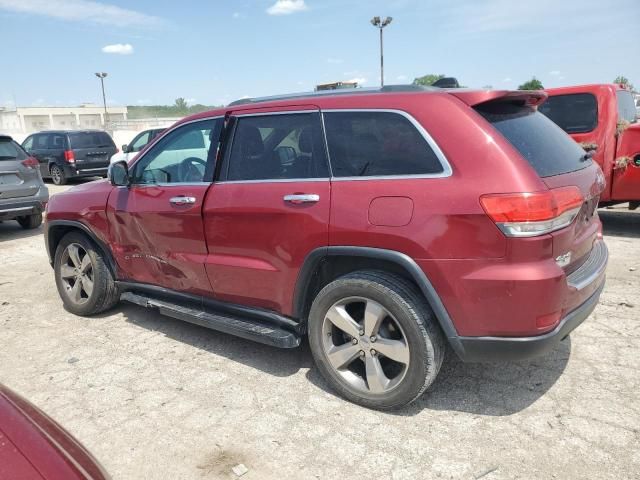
x: 574, y: 113
x: 186, y: 155
x: 277, y: 147
x: 28, y: 144
x: 139, y: 142
x: 366, y: 144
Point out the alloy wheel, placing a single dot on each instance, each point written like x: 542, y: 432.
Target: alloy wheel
x: 365, y: 345
x: 56, y: 175
x: 76, y: 273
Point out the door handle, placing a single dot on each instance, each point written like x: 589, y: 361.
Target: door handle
x: 182, y: 200
x: 299, y: 198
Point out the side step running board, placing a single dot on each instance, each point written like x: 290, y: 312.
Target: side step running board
x: 248, y: 328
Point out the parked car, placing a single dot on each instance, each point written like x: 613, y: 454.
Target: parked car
x: 23, y: 194
x: 34, y: 446
x: 138, y: 143
x: 384, y: 224
x: 602, y: 119
x: 65, y: 154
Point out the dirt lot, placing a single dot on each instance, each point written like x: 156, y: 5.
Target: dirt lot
x: 152, y: 397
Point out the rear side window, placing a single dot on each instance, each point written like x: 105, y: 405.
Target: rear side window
x: 278, y: 147
x: 548, y: 149
x: 41, y: 142
x: 364, y: 144
x: 90, y: 140
x: 10, y: 150
x: 574, y: 113
x: 626, y: 108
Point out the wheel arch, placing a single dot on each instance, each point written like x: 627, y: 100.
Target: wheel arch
x: 57, y: 229
x: 323, y: 265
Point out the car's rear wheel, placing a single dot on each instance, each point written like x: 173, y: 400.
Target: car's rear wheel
x: 375, y: 340
x: 84, y: 281
x: 57, y: 175
x: 29, y: 222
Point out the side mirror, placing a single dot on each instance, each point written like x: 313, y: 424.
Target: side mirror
x: 125, y: 148
x: 636, y: 160
x: 118, y: 174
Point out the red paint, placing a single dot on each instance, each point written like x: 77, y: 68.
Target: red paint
x: 622, y: 184
x: 242, y: 243
x: 33, y: 446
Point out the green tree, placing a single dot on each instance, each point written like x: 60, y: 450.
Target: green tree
x: 428, y: 80
x: 181, y: 105
x: 624, y: 81
x: 533, y: 84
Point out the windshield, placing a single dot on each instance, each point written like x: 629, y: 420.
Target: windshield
x: 548, y: 149
x: 10, y: 150
x: 90, y: 140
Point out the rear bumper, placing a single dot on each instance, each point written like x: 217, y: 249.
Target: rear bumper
x: 27, y: 206
x: 80, y: 171
x: 492, y: 349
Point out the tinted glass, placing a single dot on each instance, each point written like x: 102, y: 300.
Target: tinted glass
x: 272, y: 147
x: 626, y: 108
x: 28, y: 144
x: 548, y: 149
x: 139, y: 142
x: 90, y: 140
x: 10, y: 150
x: 186, y: 155
x: 41, y: 142
x: 56, y: 142
x: 365, y: 144
x: 576, y: 113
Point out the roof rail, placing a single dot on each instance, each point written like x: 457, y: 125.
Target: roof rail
x: 342, y: 91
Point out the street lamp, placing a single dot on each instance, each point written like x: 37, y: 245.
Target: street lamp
x: 101, y: 76
x: 380, y: 24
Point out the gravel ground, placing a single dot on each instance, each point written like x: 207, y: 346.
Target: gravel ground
x: 153, y: 397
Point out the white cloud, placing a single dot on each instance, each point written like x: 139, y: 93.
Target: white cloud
x: 190, y: 101
x: 402, y: 78
x: 119, y: 48
x: 555, y: 73
x: 358, y: 80
x: 287, y: 7
x: 507, y: 80
x: 335, y: 60
x: 236, y: 15
x: 82, y: 11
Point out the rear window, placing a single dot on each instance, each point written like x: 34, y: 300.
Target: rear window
x: 364, y: 144
x: 574, y: 113
x: 548, y: 149
x: 90, y: 140
x: 10, y: 150
x: 626, y: 108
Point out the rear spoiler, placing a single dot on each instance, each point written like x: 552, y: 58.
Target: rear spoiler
x: 476, y: 97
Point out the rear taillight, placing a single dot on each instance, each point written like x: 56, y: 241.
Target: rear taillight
x: 531, y: 214
x: 31, y: 163
x: 69, y: 157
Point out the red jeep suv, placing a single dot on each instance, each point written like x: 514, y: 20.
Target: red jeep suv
x: 384, y: 224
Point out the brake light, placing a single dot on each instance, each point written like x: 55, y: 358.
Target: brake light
x: 31, y: 163
x: 536, y: 213
x: 69, y: 157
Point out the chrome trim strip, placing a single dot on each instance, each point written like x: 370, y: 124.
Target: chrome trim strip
x: 19, y: 209
x: 446, y: 166
x: 592, y: 269
x: 265, y: 114
x: 277, y: 180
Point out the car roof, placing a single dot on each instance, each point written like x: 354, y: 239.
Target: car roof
x: 69, y: 131
x: 586, y: 88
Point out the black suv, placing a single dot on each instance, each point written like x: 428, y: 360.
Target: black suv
x: 64, y: 154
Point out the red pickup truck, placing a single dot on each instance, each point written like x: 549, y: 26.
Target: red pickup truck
x: 602, y: 119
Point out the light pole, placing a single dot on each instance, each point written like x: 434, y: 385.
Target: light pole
x: 380, y: 24
x: 101, y: 76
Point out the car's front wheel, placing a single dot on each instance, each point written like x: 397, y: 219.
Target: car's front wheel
x: 57, y: 175
x: 375, y: 340
x: 83, y: 278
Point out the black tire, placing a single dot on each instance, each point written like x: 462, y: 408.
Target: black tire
x: 57, y: 175
x: 105, y: 293
x: 29, y: 222
x: 408, y: 307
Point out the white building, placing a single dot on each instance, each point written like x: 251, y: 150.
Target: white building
x: 33, y: 119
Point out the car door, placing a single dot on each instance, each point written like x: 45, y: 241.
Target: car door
x: 626, y: 176
x: 156, y: 222
x: 268, y: 208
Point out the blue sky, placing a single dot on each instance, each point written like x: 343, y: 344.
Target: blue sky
x: 214, y: 51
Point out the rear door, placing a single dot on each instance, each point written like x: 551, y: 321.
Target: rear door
x: 91, y: 149
x: 559, y: 162
x: 626, y: 175
x: 16, y: 179
x: 269, y: 208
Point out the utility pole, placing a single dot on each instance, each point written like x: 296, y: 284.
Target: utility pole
x: 380, y: 24
x: 101, y: 76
